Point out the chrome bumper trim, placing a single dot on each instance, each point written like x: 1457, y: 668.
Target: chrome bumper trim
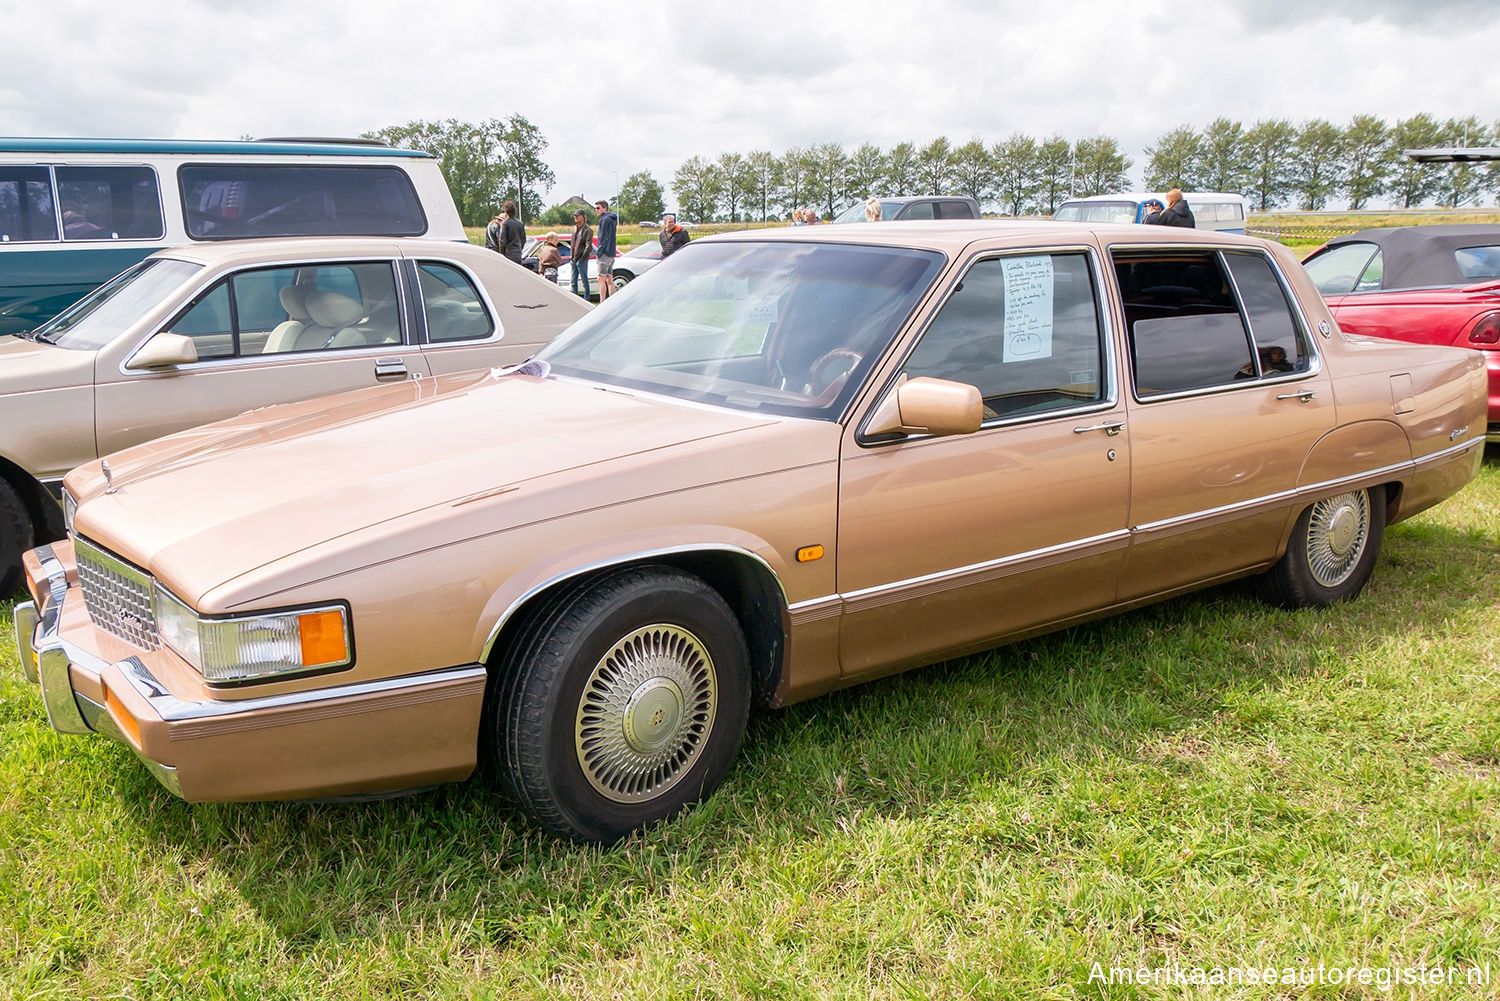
x: 98, y: 717
x: 26, y: 619
x: 57, y: 692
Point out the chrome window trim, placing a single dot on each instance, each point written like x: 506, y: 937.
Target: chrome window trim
x: 186, y: 302
x: 1107, y: 340
x: 643, y: 554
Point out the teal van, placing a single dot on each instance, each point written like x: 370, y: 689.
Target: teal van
x: 1216, y: 210
x: 76, y: 212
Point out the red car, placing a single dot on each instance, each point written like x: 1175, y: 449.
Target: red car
x: 1427, y: 284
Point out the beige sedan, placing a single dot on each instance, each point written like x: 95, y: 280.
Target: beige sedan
x: 778, y: 464
x: 195, y: 334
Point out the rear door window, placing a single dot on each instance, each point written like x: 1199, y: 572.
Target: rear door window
x: 955, y: 210
x: 1207, y: 320
x: 452, y: 306
x: 109, y: 203
x: 233, y: 201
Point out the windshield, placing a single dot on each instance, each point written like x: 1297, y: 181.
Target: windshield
x: 103, y: 314
x: 856, y: 212
x: 775, y: 327
x: 1097, y: 212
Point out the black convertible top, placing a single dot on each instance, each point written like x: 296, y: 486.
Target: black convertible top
x: 1422, y: 256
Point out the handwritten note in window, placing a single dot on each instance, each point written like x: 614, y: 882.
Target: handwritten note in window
x: 1028, y: 308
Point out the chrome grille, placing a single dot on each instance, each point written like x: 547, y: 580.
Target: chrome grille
x: 117, y: 595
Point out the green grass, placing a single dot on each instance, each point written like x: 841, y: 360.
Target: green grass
x: 1207, y: 782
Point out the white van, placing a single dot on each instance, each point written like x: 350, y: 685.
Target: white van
x: 1217, y: 210
x: 76, y: 212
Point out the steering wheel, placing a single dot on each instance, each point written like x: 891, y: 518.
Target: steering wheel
x: 818, y: 380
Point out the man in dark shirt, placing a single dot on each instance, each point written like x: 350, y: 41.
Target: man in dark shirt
x: 583, y: 249
x: 673, y: 237
x: 608, y: 221
x: 512, y: 233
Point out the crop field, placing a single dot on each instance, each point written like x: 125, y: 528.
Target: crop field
x: 1208, y: 784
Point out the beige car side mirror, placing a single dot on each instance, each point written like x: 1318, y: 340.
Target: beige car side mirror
x: 928, y: 406
x: 163, y: 350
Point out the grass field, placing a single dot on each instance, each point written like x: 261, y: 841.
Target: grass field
x: 1208, y: 783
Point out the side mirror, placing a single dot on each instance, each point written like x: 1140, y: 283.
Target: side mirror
x: 928, y: 406
x: 164, y: 350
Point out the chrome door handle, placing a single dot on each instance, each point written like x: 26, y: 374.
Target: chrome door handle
x: 390, y: 368
x: 1110, y: 428
x: 1305, y: 396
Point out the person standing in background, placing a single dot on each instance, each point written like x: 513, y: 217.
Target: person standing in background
x: 512, y: 232
x: 583, y: 249
x: 492, y: 234
x: 608, y: 222
x: 1177, y: 212
x: 673, y: 237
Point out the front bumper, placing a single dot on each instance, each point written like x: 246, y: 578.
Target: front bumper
x: 362, y: 738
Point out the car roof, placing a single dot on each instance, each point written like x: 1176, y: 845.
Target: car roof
x: 237, y: 252
x: 953, y: 235
x: 1422, y: 256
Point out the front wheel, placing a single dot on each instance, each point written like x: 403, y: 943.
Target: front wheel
x: 1331, y: 552
x: 619, y: 704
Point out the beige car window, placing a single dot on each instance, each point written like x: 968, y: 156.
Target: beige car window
x: 1186, y: 329
x: 269, y: 311
x: 1025, y: 330
x: 451, y: 304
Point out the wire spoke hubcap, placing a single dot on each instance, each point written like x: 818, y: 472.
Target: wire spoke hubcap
x: 1337, y: 531
x: 647, y: 710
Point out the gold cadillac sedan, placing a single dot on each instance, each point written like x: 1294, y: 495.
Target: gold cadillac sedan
x: 778, y: 464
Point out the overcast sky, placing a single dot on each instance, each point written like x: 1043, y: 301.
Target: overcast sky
x: 642, y: 85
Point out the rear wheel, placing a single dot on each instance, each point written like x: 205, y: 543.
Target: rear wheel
x: 621, y: 279
x: 16, y: 536
x: 1331, y: 553
x: 619, y: 704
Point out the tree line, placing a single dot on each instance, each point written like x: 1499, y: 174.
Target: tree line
x: 1273, y: 162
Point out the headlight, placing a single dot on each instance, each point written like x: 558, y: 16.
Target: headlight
x: 70, y: 509
x: 256, y: 646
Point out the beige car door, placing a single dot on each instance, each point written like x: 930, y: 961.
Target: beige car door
x: 947, y: 544
x: 1229, y: 397
x: 264, y: 336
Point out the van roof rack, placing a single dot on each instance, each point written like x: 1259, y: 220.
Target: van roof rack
x: 335, y: 140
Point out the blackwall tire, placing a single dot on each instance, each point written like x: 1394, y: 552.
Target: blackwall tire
x: 17, y: 535
x: 619, y: 704
x: 1331, y: 552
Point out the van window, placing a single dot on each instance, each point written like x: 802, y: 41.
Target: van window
x: 228, y: 202
x: 26, y: 204
x: 109, y: 203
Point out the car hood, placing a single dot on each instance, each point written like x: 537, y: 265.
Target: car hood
x: 29, y: 366
x: 204, y: 506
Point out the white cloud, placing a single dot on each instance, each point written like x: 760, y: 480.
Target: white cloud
x: 643, y: 86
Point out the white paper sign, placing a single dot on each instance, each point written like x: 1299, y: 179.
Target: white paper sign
x: 1028, y: 308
